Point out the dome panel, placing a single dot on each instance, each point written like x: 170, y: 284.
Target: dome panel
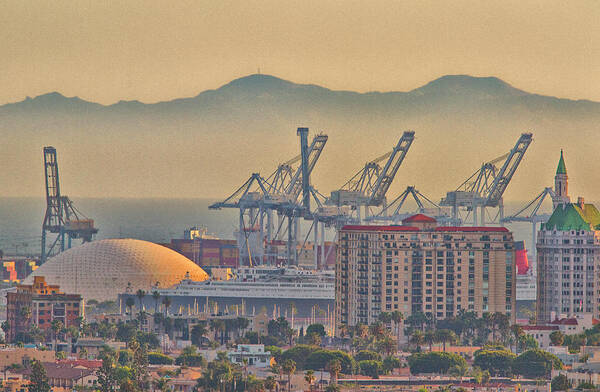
x: 102, y: 269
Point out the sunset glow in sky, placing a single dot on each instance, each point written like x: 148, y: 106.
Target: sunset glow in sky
x: 159, y: 50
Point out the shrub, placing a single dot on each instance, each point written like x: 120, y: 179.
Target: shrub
x: 367, y: 355
x: 159, y: 359
x: 190, y: 360
x: 318, y: 360
x: 370, y: 368
x: 497, y: 362
x: 298, y: 354
x: 536, y: 363
x: 434, y: 362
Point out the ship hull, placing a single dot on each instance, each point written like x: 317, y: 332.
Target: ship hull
x: 242, y: 306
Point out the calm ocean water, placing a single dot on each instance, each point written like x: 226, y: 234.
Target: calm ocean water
x: 156, y: 220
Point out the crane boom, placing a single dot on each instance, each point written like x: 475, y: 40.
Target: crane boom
x: 314, y: 152
x: 54, y: 215
x: 502, y: 179
x: 390, y: 169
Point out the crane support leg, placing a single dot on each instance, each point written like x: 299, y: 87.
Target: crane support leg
x: 322, y: 244
x: 315, y: 244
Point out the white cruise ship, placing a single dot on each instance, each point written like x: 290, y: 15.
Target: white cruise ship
x: 261, y: 282
x: 258, y: 287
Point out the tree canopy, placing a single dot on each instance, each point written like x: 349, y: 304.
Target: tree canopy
x: 536, y: 363
x: 434, y: 362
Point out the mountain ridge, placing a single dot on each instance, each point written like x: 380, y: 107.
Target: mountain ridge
x: 447, y: 85
x: 205, y: 145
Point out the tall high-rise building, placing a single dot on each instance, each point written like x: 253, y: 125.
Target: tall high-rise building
x: 422, y: 267
x: 568, y: 256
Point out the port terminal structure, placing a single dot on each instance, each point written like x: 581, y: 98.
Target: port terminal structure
x: 484, y: 188
x: 531, y: 213
x: 393, y: 212
x: 62, y: 219
x: 259, y: 199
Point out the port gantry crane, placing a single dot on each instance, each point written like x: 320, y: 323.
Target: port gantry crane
x: 485, y: 187
x: 532, y: 215
x: 61, y: 218
x: 421, y: 202
x: 258, y: 197
x: 368, y: 187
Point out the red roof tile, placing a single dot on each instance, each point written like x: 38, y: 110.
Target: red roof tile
x: 379, y: 228
x: 419, y: 218
x: 87, y: 363
x: 540, y: 327
x: 472, y: 228
x: 565, y: 321
x: 411, y: 228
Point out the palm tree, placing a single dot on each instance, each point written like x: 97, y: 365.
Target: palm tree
x: 517, y: 331
x: 377, y: 330
x: 430, y: 337
x: 129, y: 302
x: 140, y: 294
x: 218, y: 326
x: 270, y: 383
x: 459, y: 371
x: 334, y: 367
x: 387, y: 344
x: 289, y: 368
x: 397, y: 318
x: 333, y: 388
x: 417, y: 338
x: 309, y: 377
x: 57, y: 326
x: 445, y: 335
x: 242, y: 324
x: 276, y: 369
x: 198, y: 331
x: 167, y: 303
x: 25, y: 313
x: 385, y: 317
x: 161, y: 385
x: 156, y: 297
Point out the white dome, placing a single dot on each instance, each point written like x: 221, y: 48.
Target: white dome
x: 102, y: 269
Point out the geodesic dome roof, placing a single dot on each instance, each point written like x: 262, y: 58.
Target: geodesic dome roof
x: 103, y: 269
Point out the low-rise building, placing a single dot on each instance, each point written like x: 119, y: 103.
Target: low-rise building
x: 562, y: 353
x: 65, y: 377
x: 253, y: 354
x: 23, y: 356
x: 541, y: 333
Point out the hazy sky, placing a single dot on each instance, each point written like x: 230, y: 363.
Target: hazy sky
x: 158, y: 50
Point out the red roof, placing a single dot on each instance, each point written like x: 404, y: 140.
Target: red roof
x: 379, y: 228
x: 565, y: 321
x: 540, y: 327
x: 472, y: 228
x: 87, y: 363
x: 419, y: 218
x: 411, y: 228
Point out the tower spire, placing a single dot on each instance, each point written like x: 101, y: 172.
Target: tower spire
x: 561, y: 189
x: 561, y: 169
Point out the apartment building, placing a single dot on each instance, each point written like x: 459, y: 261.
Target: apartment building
x: 39, y: 304
x: 568, y: 253
x: 422, y: 267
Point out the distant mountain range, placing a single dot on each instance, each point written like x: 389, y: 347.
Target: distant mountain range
x: 204, y: 146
